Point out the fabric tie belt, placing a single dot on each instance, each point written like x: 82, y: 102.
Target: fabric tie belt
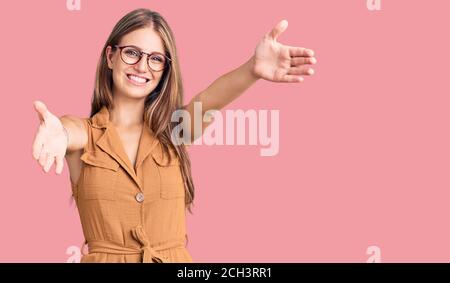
x: 149, y: 253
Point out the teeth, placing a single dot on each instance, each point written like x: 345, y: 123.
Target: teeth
x: 137, y: 79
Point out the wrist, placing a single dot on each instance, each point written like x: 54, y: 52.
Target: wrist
x: 65, y: 121
x: 66, y: 134
x: 67, y: 137
x: 250, y: 64
x: 250, y: 70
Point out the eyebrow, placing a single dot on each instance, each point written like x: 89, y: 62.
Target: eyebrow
x: 140, y: 49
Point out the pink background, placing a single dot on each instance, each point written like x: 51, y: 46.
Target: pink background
x: 364, y: 144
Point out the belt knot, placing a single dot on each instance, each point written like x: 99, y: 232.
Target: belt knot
x: 149, y: 254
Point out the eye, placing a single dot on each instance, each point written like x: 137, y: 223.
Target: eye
x: 157, y: 58
x: 132, y: 52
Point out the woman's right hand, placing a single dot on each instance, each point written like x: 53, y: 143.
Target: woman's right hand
x: 51, y: 141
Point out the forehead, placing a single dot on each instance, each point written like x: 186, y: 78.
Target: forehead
x: 145, y: 38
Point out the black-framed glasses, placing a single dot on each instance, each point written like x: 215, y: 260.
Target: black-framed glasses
x: 132, y: 55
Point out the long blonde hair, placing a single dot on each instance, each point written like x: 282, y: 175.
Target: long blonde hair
x: 162, y: 101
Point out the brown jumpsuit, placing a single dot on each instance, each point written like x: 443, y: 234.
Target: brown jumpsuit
x: 129, y: 214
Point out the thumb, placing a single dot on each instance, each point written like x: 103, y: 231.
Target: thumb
x: 278, y: 29
x: 42, y: 110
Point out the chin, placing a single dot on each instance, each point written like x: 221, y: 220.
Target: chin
x: 136, y: 95
x: 136, y: 92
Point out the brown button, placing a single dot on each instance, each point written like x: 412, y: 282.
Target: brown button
x: 140, y: 197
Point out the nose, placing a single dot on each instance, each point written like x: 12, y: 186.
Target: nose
x: 141, y: 66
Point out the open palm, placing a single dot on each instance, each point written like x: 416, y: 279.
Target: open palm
x: 50, y: 143
x: 281, y: 63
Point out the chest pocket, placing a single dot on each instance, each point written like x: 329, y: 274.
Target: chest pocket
x: 100, y: 170
x: 171, y: 179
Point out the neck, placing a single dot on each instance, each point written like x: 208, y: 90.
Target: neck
x: 127, y: 112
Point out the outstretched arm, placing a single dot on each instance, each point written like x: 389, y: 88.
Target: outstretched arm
x: 272, y: 61
x: 56, y: 138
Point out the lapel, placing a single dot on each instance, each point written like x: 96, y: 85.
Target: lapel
x: 111, y: 143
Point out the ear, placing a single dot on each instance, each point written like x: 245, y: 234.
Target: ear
x: 109, y: 56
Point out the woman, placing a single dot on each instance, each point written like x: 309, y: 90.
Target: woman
x: 132, y: 184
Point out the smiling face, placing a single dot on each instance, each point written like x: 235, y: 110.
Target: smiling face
x: 138, y: 80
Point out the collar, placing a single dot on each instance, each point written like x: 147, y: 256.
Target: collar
x: 101, y: 118
x: 111, y: 143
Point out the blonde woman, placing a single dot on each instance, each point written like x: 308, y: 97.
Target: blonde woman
x: 132, y: 184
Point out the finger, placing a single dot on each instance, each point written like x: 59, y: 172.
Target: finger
x: 42, y: 110
x: 278, y: 29
x: 300, y: 52
x: 37, y: 145
x: 59, y: 164
x: 302, y: 70
x: 49, y: 163
x: 43, y: 157
x: 292, y: 79
x: 303, y: 61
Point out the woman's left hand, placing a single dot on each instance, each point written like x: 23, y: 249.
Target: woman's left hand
x: 276, y: 62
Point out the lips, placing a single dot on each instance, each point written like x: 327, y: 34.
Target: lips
x: 140, y: 80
